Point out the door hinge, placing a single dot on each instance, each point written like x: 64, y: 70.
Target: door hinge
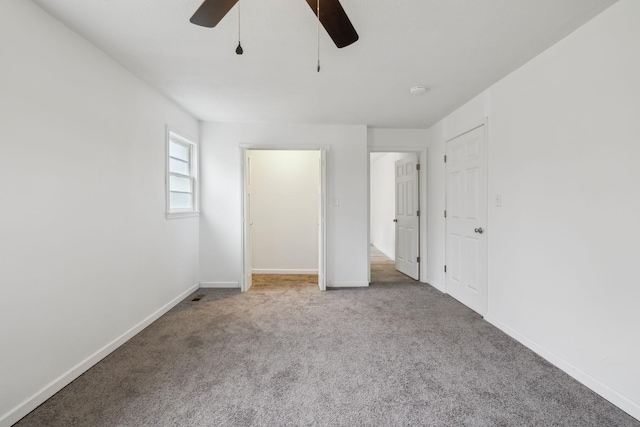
x: 445, y: 159
x: 418, y: 259
x: 445, y: 268
x: 418, y: 166
x: 445, y: 214
x: 418, y: 213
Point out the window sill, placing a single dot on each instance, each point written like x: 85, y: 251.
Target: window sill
x: 178, y: 215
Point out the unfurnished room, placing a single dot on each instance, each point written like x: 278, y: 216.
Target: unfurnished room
x: 320, y: 212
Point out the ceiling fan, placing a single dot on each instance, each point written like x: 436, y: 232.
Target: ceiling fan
x: 332, y: 16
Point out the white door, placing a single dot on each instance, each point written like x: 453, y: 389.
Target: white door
x: 322, y: 276
x: 466, y: 220
x: 247, y: 226
x: 407, y: 216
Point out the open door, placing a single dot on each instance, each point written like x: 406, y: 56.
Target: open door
x: 407, y: 216
x: 322, y: 211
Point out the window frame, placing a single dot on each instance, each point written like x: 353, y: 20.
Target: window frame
x: 178, y: 137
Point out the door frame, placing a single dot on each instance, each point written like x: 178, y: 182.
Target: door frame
x: 322, y: 220
x: 461, y: 131
x: 422, y: 195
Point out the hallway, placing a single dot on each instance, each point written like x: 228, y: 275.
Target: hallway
x: 383, y: 269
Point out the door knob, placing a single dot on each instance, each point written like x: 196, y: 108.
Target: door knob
x: 479, y: 230
x: 395, y: 220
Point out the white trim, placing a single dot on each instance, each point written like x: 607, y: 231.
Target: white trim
x: 322, y: 242
x: 194, y: 173
x: 369, y: 215
x: 359, y: 284
x: 14, y: 415
x: 183, y: 135
x: 618, y: 399
x: 285, y: 147
x: 436, y: 285
x: 220, y: 285
x: 465, y: 129
x: 244, y: 286
x: 284, y: 271
x: 392, y: 258
x: 182, y: 215
x: 398, y: 149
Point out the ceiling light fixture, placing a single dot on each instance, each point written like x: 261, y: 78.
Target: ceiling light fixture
x: 318, y: 32
x: 239, y: 50
x: 333, y: 18
x: 417, y: 90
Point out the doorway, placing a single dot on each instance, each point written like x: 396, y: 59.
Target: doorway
x: 394, y: 217
x: 283, y: 214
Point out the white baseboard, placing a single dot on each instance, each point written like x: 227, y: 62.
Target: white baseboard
x: 14, y: 415
x: 220, y: 285
x: 348, y: 284
x: 436, y: 285
x: 387, y: 254
x: 283, y: 271
x: 618, y: 399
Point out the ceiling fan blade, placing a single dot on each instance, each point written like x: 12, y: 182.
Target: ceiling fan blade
x: 211, y: 12
x: 335, y: 21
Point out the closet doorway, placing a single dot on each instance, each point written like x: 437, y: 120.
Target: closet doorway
x: 283, y: 217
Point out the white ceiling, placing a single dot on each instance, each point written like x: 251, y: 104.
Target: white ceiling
x: 456, y: 48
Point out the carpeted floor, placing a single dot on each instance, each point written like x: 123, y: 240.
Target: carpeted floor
x: 391, y: 354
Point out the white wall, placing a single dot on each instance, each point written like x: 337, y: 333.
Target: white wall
x: 382, y: 202
x: 436, y: 187
x: 220, y: 221
x: 563, y: 154
x: 86, y: 253
x: 285, y: 188
x: 407, y: 140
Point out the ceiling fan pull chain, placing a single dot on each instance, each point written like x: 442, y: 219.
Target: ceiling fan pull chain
x: 318, y: 31
x: 239, y: 50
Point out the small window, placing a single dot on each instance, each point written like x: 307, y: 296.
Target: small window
x: 182, y: 176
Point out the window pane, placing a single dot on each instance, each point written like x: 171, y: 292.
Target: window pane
x: 179, y: 151
x: 178, y: 166
x: 180, y: 201
x: 177, y: 183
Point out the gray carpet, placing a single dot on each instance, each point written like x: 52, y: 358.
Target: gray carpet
x: 391, y: 354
